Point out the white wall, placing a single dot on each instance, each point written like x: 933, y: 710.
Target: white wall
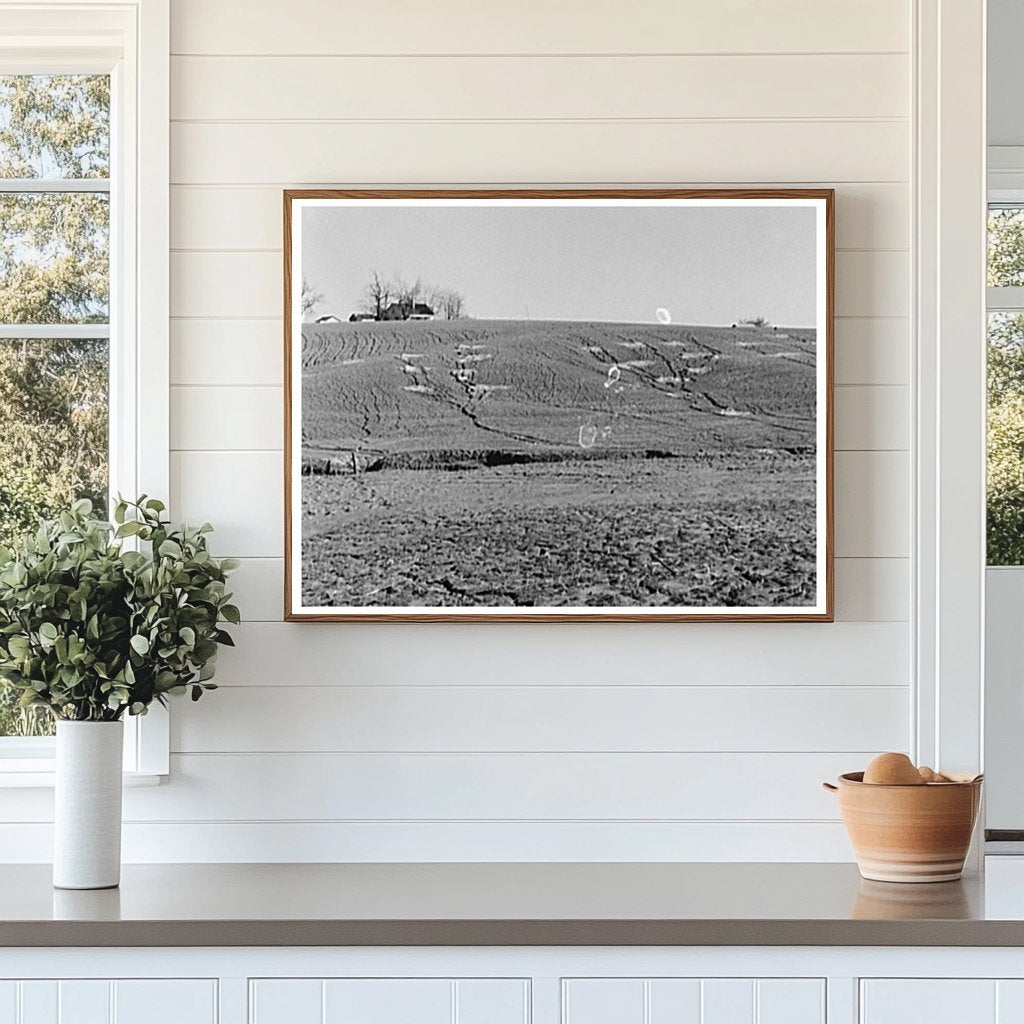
x: 570, y: 741
x: 1005, y: 80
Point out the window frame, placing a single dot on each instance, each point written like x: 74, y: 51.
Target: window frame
x: 948, y: 447
x: 130, y: 41
x: 1004, y: 298
x: 1002, y: 713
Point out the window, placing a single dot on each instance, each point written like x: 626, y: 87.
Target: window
x: 1005, y: 478
x: 1004, y: 578
x: 54, y: 309
x: 84, y: 126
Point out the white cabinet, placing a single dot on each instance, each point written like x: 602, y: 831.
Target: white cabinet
x: 95, y: 1001
x: 388, y: 1001
x: 512, y: 985
x: 941, y: 1001
x: 507, y: 1001
x: 693, y: 1001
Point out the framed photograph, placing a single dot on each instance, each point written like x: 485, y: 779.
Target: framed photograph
x: 540, y: 405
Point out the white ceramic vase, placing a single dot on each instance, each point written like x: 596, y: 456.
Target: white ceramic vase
x: 87, y: 808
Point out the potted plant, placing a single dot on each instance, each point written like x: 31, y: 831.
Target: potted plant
x: 99, y: 620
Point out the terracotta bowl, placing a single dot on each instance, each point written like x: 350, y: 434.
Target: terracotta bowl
x: 909, y: 833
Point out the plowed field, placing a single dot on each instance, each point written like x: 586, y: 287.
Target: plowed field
x: 509, y: 463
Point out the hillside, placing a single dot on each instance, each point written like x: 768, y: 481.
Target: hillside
x: 552, y: 389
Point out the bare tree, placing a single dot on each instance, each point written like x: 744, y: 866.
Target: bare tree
x: 407, y: 295
x: 377, y: 295
x: 433, y: 297
x: 444, y: 302
x: 451, y: 304
x: 310, y: 300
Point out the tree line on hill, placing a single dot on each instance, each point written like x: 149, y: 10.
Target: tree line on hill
x: 394, y: 299
x: 383, y: 297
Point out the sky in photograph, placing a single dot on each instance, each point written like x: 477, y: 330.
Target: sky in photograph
x: 704, y: 265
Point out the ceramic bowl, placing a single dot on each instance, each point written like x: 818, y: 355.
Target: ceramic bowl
x: 909, y: 833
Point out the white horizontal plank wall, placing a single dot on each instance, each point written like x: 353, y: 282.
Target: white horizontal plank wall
x: 424, y: 742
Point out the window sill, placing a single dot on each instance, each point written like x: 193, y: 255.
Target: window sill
x: 40, y: 774
x: 31, y: 760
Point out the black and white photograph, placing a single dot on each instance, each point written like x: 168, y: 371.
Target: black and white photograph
x: 537, y: 405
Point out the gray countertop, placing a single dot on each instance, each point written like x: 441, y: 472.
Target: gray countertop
x: 505, y: 904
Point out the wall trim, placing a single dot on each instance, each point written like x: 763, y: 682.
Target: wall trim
x: 148, y: 842
x: 132, y: 42
x: 949, y: 455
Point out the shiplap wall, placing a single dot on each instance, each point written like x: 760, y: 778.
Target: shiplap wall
x: 659, y: 741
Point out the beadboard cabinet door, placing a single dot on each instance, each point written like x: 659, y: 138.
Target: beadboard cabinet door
x: 935, y: 1001
x: 101, y: 1001
x: 693, y: 1001
x: 388, y: 1001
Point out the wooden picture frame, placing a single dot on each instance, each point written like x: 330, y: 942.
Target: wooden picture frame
x: 744, y: 347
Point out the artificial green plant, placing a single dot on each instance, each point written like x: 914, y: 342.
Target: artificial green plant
x: 91, y: 627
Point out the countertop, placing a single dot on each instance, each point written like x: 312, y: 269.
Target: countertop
x: 510, y: 904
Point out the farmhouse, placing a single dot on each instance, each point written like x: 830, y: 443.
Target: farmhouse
x: 329, y: 319
x: 407, y: 311
x: 358, y: 317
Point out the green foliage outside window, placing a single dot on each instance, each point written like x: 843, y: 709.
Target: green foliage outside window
x: 54, y: 269
x: 1005, y: 247
x: 54, y: 449
x: 1005, y: 498
x: 1005, y: 484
